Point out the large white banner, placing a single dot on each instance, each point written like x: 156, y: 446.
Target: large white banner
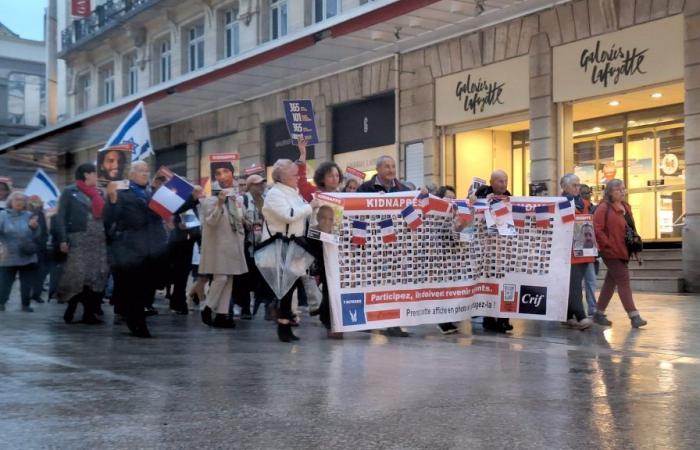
x: 394, y: 270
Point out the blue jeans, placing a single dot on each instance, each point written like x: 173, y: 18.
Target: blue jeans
x: 589, y: 281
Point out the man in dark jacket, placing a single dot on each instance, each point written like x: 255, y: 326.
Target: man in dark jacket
x: 180, y: 249
x: 137, y: 244
x: 498, y: 187
x: 385, y: 180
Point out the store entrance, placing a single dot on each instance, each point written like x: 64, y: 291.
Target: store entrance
x: 479, y: 152
x: 646, y: 150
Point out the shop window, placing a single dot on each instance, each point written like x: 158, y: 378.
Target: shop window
x: 646, y: 150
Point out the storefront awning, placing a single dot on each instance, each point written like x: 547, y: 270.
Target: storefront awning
x: 373, y: 32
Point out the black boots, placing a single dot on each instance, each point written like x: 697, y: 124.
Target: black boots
x: 70, y: 310
x: 206, y: 316
x: 284, y: 332
x: 223, y: 321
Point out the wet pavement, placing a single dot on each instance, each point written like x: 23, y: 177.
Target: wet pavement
x: 80, y: 386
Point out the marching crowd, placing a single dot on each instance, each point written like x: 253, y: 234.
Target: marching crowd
x: 110, y: 244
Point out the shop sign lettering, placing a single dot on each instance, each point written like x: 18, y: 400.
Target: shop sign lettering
x: 477, y: 95
x: 608, y: 66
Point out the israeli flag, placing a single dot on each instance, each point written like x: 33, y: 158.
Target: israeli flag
x: 134, y: 130
x: 43, y: 186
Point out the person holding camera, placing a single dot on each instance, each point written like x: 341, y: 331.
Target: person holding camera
x: 618, y: 241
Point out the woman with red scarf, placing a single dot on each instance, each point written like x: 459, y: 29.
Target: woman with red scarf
x: 80, y: 232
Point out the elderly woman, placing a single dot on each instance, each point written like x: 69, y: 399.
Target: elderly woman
x: 18, y: 231
x: 612, y: 221
x: 285, y: 214
x: 80, y: 234
x: 327, y: 178
x: 223, y: 254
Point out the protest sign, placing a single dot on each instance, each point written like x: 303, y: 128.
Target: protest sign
x: 585, y: 247
x: 113, y: 163
x: 299, y: 115
x: 326, y: 220
x: 223, y: 167
x: 430, y: 275
x: 43, y: 186
x: 475, y: 185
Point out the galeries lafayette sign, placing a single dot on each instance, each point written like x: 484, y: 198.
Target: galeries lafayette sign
x: 484, y: 92
x: 638, y: 56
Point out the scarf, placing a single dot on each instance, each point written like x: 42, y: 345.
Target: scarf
x: 140, y: 191
x: 93, y: 194
x: 234, y: 215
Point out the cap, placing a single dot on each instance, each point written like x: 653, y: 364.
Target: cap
x: 254, y: 179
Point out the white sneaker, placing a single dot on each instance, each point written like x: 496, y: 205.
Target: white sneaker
x: 585, y: 324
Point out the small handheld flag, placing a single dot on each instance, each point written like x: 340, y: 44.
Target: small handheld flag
x: 171, y: 196
x: 499, y: 209
x: 387, y: 231
x: 463, y: 211
x: 542, y: 216
x: 359, y: 232
x: 411, y: 217
x: 519, y: 215
x: 566, y: 211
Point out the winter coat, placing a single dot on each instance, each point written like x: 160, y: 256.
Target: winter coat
x: 14, y: 232
x: 74, y: 210
x: 285, y: 212
x: 610, y: 230
x: 135, y: 232
x: 222, y: 251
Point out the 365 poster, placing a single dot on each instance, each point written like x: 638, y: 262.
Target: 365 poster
x: 299, y: 115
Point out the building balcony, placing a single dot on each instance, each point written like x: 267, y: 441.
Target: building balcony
x: 104, y: 18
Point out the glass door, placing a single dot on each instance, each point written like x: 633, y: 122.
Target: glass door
x: 641, y: 161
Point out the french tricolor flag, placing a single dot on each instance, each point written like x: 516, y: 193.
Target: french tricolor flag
x: 411, y: 217
x: 481, y: 205
x: 542, y: 216
x: 423, y: 202
x: 519, y: 215
x: 171, y: 196
x: 566, y: 211
x: 499, y: 209
x: 387, y: 231
x: 463, y: 211
x: 359, y: 232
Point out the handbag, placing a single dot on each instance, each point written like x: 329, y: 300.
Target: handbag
x: 633, y: 241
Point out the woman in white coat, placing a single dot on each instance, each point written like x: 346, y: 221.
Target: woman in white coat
x: 222, y: 254
x: 285, y: 213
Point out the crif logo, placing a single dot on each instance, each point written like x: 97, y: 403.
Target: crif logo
x: 353, y: 309
x: 533, y: 300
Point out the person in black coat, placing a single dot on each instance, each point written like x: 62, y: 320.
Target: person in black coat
x: 36, y: 207
x: 498, y: 187
x: 78, y: 233
x: 385, y: 181
x: 180, y: 248
x: 137, y: 245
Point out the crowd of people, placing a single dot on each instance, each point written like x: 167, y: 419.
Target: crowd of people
x: 108, y: 244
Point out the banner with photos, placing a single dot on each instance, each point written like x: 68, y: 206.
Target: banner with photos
x: 402, y: 260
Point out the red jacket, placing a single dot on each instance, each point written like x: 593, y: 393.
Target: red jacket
x: 610, y: 232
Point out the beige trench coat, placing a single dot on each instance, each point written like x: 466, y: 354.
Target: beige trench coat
x: 222, y: 249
